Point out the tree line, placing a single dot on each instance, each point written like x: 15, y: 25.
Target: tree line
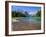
x: 25, y: 14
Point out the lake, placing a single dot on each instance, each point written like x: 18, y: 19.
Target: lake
x: 26, y: 23
x: 29, y: 19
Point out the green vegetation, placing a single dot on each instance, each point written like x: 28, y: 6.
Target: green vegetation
x: 19, y: 14
x: 38, y: 14
x: 25, y: 14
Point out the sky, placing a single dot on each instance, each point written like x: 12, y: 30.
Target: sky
x: 29, y: 9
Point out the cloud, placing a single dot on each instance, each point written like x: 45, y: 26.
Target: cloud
x: 32, y: 13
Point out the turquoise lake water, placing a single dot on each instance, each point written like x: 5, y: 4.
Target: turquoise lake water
x: 31, y: 19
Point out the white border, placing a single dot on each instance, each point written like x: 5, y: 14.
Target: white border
x: 28, y: 31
